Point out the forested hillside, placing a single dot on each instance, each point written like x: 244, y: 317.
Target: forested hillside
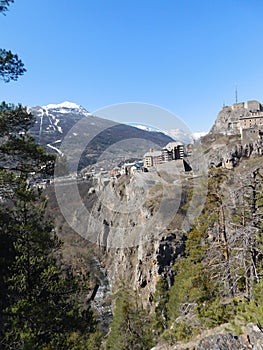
x: 218, y: 278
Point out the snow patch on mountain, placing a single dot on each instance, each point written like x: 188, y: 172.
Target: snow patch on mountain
x: 176, y: 134
x: 65, y: 104
x: 197, y: 135
x: 57, y: 126
x: 53, y: 121
x: 145, y: 127
x: 55, y: 149
x: 65, y: 107
x: 180, y: 135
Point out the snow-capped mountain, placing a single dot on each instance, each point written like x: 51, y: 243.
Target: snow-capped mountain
x: 180, y: 135
x: 54, y: 121
x: 66, y: 107
x: 145, y: 127
x: 185, y: 137
x: 197, y: 135
x: 175, y: 134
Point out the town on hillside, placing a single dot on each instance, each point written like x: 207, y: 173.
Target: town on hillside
x: 173, y: 151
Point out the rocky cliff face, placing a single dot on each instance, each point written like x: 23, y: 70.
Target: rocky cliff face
x: 136, y: 221
x: 227, y: 121
x: 229, y: 151
x: 251, y: 338
x: 133, y: 229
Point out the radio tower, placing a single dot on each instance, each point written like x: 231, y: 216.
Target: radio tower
x: 236, y: 92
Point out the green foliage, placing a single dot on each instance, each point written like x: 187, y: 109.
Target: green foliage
x: 42, y: 304
x: 197, y: 288
x: 216, y: 262
x: 192, y: 285
x: 4, y: 4
x: 179, y: 331
x: 130, y: 328
x: 192, y: 282
x: 252, y: 311
x: 94, y: 341
x: 18, y: 150
x: 161, y: 298
x: 11, y: 67
x: 214, y: 313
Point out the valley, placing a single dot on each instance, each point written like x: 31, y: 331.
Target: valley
x: 143, y: 228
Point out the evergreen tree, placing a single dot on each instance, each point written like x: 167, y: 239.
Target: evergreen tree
x: 161, y: 298
x: 18, y: 151
x: 247, y: 225
x: 44, y: 303
x: 223, y: 258
x: 130, y: 328
x: 201, y: 275
x: 11, y: 67
x: 4, y: 5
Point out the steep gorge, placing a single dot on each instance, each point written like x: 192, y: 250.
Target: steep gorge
x: 138, y: 229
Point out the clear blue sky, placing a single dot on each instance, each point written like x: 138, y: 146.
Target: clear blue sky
x: 182, y: 55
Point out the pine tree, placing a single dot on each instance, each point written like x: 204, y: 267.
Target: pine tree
x: 4, y: 5
x: 19, y: 152
x: 11, y: 67
x: 130, y: 328
x: 44, y: 303
x: 201, y: 275
x: 161, y: 298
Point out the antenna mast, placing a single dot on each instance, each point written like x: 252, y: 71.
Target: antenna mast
x: 236, y: 92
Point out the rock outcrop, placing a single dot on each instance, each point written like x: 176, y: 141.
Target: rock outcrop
x: 251, y: 338
x: 224, y: 342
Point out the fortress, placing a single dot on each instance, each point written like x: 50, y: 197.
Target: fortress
x: 243, y: 121
x: 244, y: 118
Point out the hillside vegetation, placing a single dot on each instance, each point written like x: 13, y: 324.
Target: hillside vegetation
x: 206, y: 278
x: 218, y: 278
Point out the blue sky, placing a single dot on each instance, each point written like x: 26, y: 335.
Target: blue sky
x: 182, y: 55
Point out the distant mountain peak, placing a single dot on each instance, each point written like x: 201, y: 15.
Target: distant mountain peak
x: 63, y: 108
x: 65, y: 104
x: 197, y: 135
x: 176, y: 134
x: 144, y: 127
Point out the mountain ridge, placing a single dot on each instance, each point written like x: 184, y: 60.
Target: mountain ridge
x: 56, y: 121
